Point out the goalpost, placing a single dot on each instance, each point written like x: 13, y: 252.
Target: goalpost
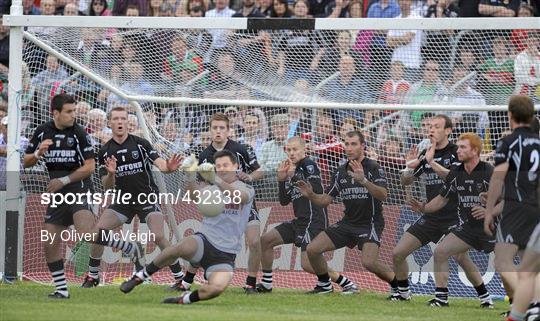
x: 323, y: 75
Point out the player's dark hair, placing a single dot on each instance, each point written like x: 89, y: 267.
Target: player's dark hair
x: 447, y: 120
x: 522, y: 109
x: 219, y: 117
x: 226, y: 153
x: 356, y: 133
x: 117, y: 108
x: 58, y: 101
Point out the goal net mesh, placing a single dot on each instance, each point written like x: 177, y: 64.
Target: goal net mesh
x: 337, y: 70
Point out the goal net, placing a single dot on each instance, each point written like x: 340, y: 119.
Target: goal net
x: 318, y: 81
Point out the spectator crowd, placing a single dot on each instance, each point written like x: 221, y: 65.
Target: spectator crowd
x: 454, y: 67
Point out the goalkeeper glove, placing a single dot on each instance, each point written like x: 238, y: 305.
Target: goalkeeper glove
x: 207, y: 172
x: 189, y: 166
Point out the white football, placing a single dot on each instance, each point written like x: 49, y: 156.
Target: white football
x: 211, y: 202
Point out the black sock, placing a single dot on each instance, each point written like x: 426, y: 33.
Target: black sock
x: 403, y: 285
x: 188, y: 278
x: 149, y: 270
x: 194, y: 296
x: 394, y: 283
x: 343, y: 281
x: 324, y: 280
x: 58, y: 275
x: 483, y: 294
x: 251, y: 281
x: 93, y: 267
x: 176, y: 270
x: 441, y: 294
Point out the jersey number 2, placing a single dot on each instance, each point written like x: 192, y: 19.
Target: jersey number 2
x: 535, y: 161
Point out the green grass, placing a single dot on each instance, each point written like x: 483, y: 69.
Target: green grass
x: 28, y: 301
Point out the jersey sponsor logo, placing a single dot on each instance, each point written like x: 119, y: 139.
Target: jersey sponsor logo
x: 70, y: 141
x: 135, y: 154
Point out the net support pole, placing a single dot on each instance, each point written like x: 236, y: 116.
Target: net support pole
x: 13, y: 192
x: 160, y: 181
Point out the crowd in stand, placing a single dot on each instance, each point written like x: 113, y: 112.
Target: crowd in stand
x: 364, y: 67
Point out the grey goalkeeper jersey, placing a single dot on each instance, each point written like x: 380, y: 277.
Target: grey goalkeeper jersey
x: 225, y: 230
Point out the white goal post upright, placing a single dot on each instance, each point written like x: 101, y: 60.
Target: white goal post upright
x: 172, y: 102
x: 13, y: 186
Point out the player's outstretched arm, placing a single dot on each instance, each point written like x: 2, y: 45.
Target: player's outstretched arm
x: 245, y: 194
x: 433, y: 206
x: 282, y: 175
x: 496, y: 184
x: 377, y: 191
x: 407, y: 175
x: 170, y: 165
x: 321, y: 200
x: 83, y: 172
x: 108, y: 180
x: 248, y: 178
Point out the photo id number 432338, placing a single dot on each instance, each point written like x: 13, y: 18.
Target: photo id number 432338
x: 212, y: 197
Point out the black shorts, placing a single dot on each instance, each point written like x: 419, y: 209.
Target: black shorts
x: 343, y: 234
x: 428, y: 228
x: 63, y: 214
x: 254, y: 215
x: 517, y: 227
x: 299, y: 233
x: 126, y: 213
x: 474, y: 235
x: 210, y: 258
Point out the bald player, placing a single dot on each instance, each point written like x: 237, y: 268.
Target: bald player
x: 309, y: 220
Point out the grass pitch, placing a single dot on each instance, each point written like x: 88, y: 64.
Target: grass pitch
x: 28, y: 301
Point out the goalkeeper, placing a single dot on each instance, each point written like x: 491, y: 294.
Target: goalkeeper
x: 215, y: 246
